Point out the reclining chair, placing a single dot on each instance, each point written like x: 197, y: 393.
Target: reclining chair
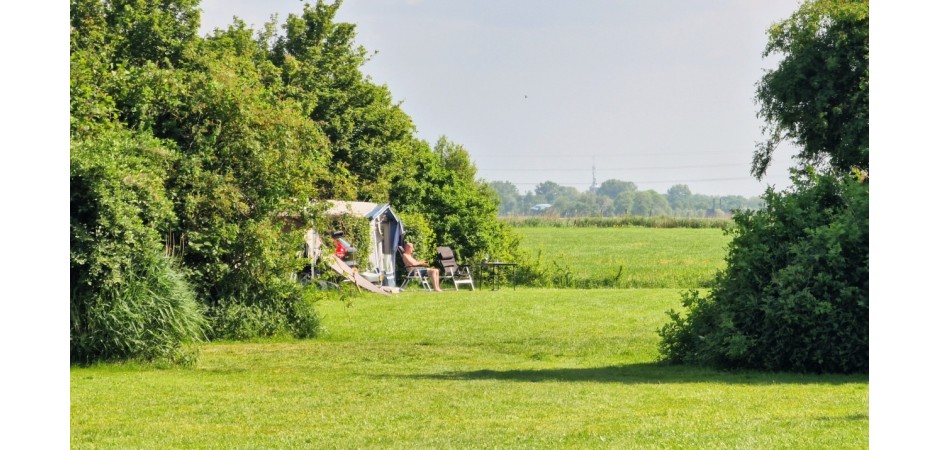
x: 456, y: 273
x: 414, y: 273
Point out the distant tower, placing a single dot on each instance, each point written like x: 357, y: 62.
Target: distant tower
x: 593, y: 188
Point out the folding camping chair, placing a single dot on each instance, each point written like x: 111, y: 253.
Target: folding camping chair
x: 414, y: 273
x: 456, y: 273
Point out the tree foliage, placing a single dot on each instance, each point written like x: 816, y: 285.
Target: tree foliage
x: 613, y: 188
x: 509, y: 197
x: 679, y: 196
x: 369, y: 135
x: 252, y: 127
x: 460, y: 209
x: 818, y: 95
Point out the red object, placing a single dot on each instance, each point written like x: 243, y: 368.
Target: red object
x: 340, y: 250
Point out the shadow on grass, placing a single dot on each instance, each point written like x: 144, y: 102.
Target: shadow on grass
x: 646, y: 373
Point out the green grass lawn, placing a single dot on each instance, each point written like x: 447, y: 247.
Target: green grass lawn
x: 532, y: 368
x: 650, y: 257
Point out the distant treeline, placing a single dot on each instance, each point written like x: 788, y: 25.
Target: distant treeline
x: 614, y: 198
x: 618, y: 222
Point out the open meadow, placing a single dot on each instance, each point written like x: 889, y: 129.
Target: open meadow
x: 629, y: 257
x: 530, y: 368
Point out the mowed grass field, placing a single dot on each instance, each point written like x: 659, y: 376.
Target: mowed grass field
x: 526, y: 368
x: 644, y: 257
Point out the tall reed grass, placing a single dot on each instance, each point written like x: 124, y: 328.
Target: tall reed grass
x: 152, y: 314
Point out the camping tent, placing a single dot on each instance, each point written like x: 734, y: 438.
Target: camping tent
x: 386, y: 233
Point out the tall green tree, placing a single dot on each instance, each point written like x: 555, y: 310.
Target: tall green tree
x: 552, y: 191
x: 509, y: 197
x: 250, y: 156
x: 241, y: 153
x: 128, y: 298
x: 456, y: 159
x: 461, y: 209
x: 818, y: 95
x: 623, y: 204
x: 370, y: 136
x: 138, y: 31
x: 612, y: 188
x: 679, y: 196
x: 794, y: 294
x: 649, y: 203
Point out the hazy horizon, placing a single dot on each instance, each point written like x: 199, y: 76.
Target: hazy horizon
x: 654, y: 93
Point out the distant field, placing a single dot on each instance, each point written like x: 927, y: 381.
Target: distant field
x: 618, y: 222
x: 525, y: 368
x: 649, y: 257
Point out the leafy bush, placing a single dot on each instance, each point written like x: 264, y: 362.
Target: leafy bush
x: 128, y: 299
x: 303, y: 318
x: 795, y: 293
x: 239, y: 322
x: 236, y: 321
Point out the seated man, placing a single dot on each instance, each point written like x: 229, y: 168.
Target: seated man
x: 410, y: 261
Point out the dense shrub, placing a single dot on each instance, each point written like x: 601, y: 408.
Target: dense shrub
x: 298, y: 318
x: 794, y: 295
x: 303, y: 317
x: 128, y: 299
x: 236, y: 321
x: 257, y: 282
x: 242, y: 154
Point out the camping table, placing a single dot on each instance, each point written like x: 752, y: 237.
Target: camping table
x: 494, y: 268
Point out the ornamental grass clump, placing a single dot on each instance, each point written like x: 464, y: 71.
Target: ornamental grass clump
x: 151, y: 315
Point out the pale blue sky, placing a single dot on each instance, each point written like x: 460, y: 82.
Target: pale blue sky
x: 654, y: 92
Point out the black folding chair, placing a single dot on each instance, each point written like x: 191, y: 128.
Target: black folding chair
x: 456, y: 273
